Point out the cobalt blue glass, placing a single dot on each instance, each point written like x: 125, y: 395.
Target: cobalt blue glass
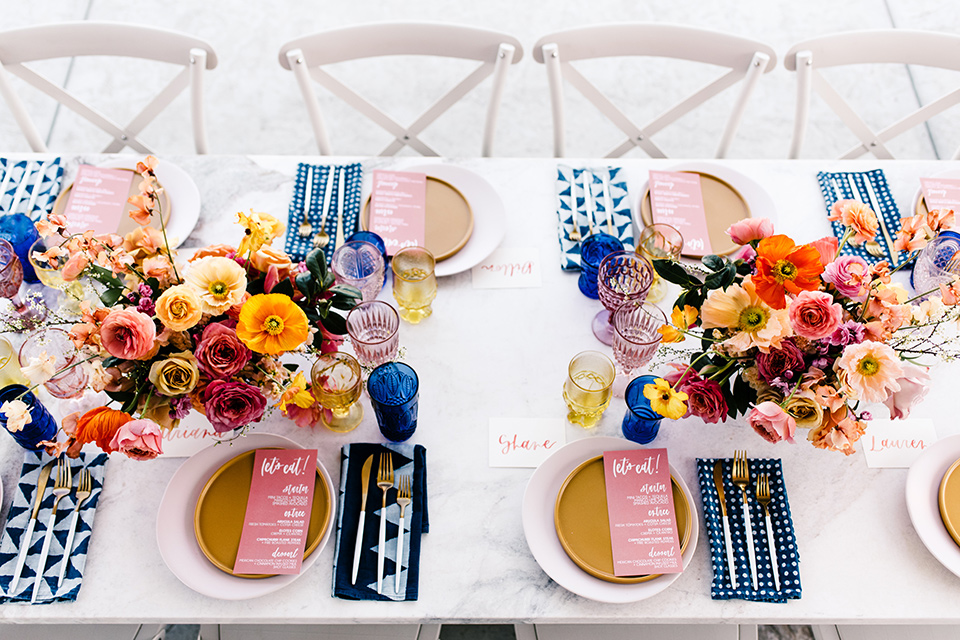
x: 394, y: 394
x: 18, y: 230
x: 592, y: 252
x: 641, y: 423
x: 41, y: 427
x: 375, y: 240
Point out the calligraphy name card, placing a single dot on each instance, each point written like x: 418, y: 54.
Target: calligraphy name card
x: 941, y: 193
x: 278, y: 511
x: 676, y: 199
x: 509, y: 268
x: 643, y: 525
x: 896, y: 443
x: 398, y: 209
x: 524, y: 442
x: 98, y: 199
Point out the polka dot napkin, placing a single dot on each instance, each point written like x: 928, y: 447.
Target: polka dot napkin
x: 783, y: 534
x: 298, y: 247
x: 841, y: 185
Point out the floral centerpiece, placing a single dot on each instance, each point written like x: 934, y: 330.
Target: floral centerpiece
x: 800, y: 336
x: 166, y: 338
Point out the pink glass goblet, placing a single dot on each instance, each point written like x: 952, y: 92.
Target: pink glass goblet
x: 635, y: 334
x: 359, y: 264
x: 11, y: 278
x: 69, y: 382
x: 373, y: 329
x: 623, y: 277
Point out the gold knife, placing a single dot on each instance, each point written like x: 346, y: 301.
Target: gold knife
x: 365, y: 477
x: 718, y: 481
x: 28, y: 534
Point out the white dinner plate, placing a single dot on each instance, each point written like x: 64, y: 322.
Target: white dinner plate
x: 923, y: 487
x: 489, y: 216
x: 175, y: 533
x: 182, y: 191
x: 538, y: 525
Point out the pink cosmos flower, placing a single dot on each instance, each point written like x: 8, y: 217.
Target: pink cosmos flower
x: 772, y: 423
x: 128, y: 334
x: 871, y: 369
x: 139, y: 439
x: 745, y: 231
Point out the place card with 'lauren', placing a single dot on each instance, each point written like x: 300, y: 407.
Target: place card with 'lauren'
x: 896, y: 443
x: 524, y: 442
x: 98, y: 199
x: 509, y: 268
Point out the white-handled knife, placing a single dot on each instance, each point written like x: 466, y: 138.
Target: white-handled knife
x: 21, y: 188
x: 718, y: 481
x: 751, y: 550
x: 365, y: 477
x: 37, y: 184
x: 773, y: 553
x: 28, y: 534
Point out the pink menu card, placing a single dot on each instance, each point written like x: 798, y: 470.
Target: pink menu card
x: 97, y: 200
x: 643, y: 526
x: 278, y: 511
x: 398, y: 209
x: 941, y: 193
x: 675, y: 199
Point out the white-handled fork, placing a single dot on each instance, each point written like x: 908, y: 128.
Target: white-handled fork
x: 60, y: 489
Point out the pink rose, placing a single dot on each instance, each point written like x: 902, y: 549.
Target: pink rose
x: 913, y: 387
x: 745, y: 231
x: 139, y: 439
x: 220, y: 354
x: 772, y: 422
x: 705, y: 400
x: 75, y: 266
x: 814, y: 315
x: 230, y: 405
x: 827, y: 248
x: 128, y: 334
x: 849, y: 274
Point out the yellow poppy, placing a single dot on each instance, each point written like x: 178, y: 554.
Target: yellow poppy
x: 665, y: 400
x: 682, y: 320
x: 271, y: 323
x: 259, y: 229
x: 296, y: 392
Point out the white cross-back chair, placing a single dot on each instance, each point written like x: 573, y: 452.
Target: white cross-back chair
x: 18, y: 47
x: 306, y: 57
x: 924, y: 48
x: 745, y: 62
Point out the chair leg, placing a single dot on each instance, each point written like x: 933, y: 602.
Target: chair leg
x: 209, y: 632
x: 747, y: 632
x: 826, y: 632
x: 429, y: 632
x: 525, y: 631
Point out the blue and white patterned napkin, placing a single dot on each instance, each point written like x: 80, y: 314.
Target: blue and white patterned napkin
x: 19, y: 516
x: 572, y: 209
x: 787, y: 556
x: 298, y: 248
x: 29, y: 186
x: 408, y: 459
x: 831, y: 182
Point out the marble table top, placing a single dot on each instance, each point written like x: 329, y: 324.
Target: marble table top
x: 503, y: 353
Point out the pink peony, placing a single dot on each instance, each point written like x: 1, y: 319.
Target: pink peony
x: 128, y: 334
x: 139, y: 439
x: 230, y: 405
x: 814, y: 315
x: 913, y: 387
x: 772, y: 422
x: 220, y: 354
x: 745, y: 231
x: 827, y: 248
x: 849, y: 274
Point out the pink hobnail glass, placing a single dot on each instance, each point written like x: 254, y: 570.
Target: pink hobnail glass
x: 11, y: 277
x: 635, y: 335
x: 373, y: 328
x: 359, y: 264
x: 57, y: 343
x: 623, y: 277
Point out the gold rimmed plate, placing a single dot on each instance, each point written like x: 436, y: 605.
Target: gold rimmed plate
x: 722, y: 204
x: 221, y: 508
x: 949, y: 501
x: 583, y: 526
x: 448, y: 219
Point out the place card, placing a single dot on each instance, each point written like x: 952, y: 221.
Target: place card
x: 278, y: 512
x: 896, y: 443
x: 97, y: 199
x: 941, y: 193
x: 524, y: 442
x: 676, y: 199
x: 643, y: 525
x: 509, y: 268
x: 398, y: 209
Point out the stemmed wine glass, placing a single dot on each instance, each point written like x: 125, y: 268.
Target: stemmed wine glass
x: 635, y: 334
x: 11, y: 278
x: 623, y: 277
x: 659, y: 242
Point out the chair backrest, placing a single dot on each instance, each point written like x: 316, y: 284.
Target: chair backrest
x: 307, y: 55
x: 745, y: 60
x: 64, y: 40
x: 898, y: 46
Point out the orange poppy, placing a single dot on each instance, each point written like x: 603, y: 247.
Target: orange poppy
x: 784, y: 267
x: 272, y: 323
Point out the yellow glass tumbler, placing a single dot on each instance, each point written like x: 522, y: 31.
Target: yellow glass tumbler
x: 10, y: 372
x: 414, y: 283
x: 588, y: 387
x: 659, y: 242
x: 337, y: 383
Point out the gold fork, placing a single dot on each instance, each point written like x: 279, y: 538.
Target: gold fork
x: 305, y: 227
x: 60, y: 489
x: 404, y: 497
x: 741, y: 478
x: 84, y: 489
x: 385, y: 482
x: 763, y: 497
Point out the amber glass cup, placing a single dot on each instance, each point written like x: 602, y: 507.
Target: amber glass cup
x: 659, y: 242
x: 588, y: 387
x: 414, y: 283
x: 337, y: 383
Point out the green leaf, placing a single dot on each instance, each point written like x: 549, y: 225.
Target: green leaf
x: 316, y: 264
x: 335, y: 323
x: 714, y: 263
x: 673, y: 272
x: 307, y: 285
x: 110, y: 297
x: 284, y: 287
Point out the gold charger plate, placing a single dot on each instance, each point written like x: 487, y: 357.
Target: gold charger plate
x: 126, y: 223
x: 949, y: 500
x: 583, y: 526
x: 722, y: 204
x: 448, y: 219
x: 222, y: 506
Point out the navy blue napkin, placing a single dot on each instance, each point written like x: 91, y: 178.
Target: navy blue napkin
x: 408, y: 459
x: 572, y: 209
x: 298, y: 248
x: 830, y: 182
x: 29, y: 186
x: 787, y: 556
x: 17, y: 520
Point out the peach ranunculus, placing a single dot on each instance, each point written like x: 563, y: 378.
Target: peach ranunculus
x: 857, y: 217
x: 75, y: 266
x: 827, y: 248
x: 128, y: 334
x: 139, y: 439
x: 772, y: 422
x: 750, y: 229
x: 214, y: 250
x: 838, y: 432
x: 143, y: 242
x: 159, y: 267
x: 872, y: 370
x: 178, y: 308
x: 914, y: 385
x: 265, y: 257
x: 814, y: 315
x: 220, y: 282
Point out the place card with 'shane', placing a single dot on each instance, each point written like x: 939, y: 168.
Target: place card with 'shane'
x: 398, y: 204
x: 98, y: 199
x: 278, y: 512
x: 677, y: 200
x: 643, y: 524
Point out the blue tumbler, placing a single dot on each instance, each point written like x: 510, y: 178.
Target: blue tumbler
x: 592, y: 252
x: 394, y: 390
x: 641, y: 423
x: 41, y: 427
